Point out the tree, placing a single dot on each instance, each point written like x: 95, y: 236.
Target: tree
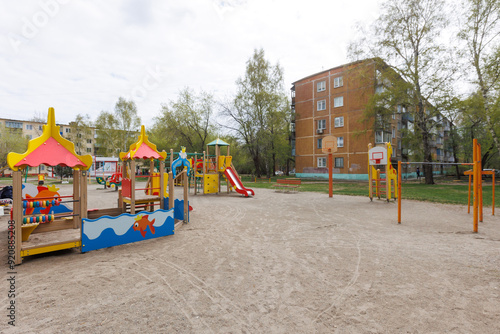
x: 186, y: 121
x: 39, y: 118
x: 405, y: 41
x: 260, y: 114
x: 116, y: 132
x: 481, y: 32
x: 81, y: 132
x: 11, y: 140
x: 473, y: 125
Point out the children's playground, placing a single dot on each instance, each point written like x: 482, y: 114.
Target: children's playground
x: 247, y: 261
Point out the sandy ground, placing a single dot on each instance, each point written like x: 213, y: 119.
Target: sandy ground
x: 275, y: 263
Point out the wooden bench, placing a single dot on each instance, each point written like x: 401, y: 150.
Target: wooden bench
x: 286, y: 185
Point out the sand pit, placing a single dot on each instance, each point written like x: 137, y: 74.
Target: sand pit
x: 275, y: 263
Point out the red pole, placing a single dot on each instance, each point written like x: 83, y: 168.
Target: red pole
x: 330, y: 173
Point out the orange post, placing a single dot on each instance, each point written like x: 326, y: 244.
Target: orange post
x: 468, y: 197
x: 399, y: 192
x: 475, y: 180
x: 330, y: 173
x: 493, y: 195
x: 480, y: 183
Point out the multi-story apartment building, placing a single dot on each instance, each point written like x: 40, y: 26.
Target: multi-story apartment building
x: 84, y: 142
x: 333, y: 102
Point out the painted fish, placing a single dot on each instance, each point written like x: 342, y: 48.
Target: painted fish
x: 43, y: 192
x: 141, y: 223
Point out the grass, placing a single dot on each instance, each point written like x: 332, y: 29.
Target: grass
x: 445, y: 191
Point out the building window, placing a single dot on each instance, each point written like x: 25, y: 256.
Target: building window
x: 321, y: 86
x: 339, y: 122
x: 40, y: 127
x: 42, y: 167
x: 393, y: 115
x: 321, y: 162
x: 14, y: 125
x: 321, y: 105
x: 338, y: 101
x: 89, y: 149
x: 320, y: 143
x: 89, y: 141
x: 338, y: 82
x: 379, y: 137
x: 68, y: 130
x: 339, y: 162
x: 29, y: 127
x: 321, y: 124
x: 340, y: 141
x: 393, y: 132
x: 399, y: 144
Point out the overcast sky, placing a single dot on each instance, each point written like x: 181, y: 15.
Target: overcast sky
x: 80, y: 56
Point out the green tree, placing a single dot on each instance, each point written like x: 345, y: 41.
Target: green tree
x: 11, y: 140
x: 473, y: 124
x: 404, y: 39
x: 186, y: 121
x: 481, y: 32
x: 117, y: 131
x: 260, y: 114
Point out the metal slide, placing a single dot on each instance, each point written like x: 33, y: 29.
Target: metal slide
x: 236, y: 182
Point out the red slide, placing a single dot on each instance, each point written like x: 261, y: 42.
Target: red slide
x: 236, y: 182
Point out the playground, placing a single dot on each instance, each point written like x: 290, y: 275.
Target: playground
x: 273, y: 263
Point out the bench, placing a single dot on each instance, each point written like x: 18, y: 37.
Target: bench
x: 286, y: 185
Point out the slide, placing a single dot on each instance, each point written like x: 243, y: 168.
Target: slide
x: 236, y: 182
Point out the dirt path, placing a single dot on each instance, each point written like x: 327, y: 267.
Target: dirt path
x: 275, y: 263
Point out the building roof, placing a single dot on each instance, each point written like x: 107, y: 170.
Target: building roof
x: 333, y: 68
x: 49, y: 149
x: 143, y: 149
x: 218, y: 142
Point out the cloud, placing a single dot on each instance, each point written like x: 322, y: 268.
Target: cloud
x: 82, y: 55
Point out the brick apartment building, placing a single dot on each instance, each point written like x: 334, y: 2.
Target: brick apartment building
x: 332, y: 102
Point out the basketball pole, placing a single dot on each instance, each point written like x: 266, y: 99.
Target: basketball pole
x: 330, y: 173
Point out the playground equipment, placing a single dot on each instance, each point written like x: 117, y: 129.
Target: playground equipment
x: 107, y: 172
x: 378, y: 186
x: 470, y: 173
x: 50, y: 149
x: 212, y: 168
x: 476, y: 175
x: 81, y: 228
x: 181, y: 161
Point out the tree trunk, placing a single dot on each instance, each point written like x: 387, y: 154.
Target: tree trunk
x: 429, y: 177
x: 454, y: 147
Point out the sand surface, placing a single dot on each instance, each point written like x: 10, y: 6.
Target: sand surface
x: 275, y: 263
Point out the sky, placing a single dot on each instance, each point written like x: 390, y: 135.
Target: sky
x: 81, y: 56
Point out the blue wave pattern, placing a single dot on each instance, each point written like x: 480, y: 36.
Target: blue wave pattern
x: 109, y: 231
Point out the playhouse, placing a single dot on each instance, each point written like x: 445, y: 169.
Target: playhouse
x: 32, y: 233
